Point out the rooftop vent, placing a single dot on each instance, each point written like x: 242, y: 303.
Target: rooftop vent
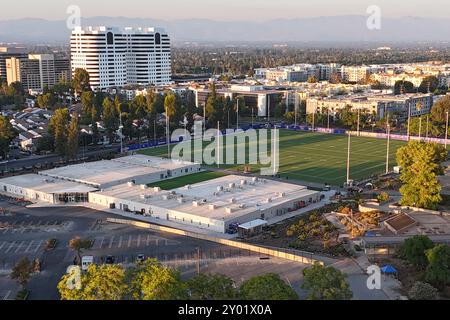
x: 156, y: 189
x: 212, y: 207
x: 220, y: 188
x: 281, y: 194
x: 231, y: 185
x: 243, y: 182
x: 188, y: 187
x: 130, y: 184
x: 229, y: 210
x: 144, y: 186
x: 233, y: 200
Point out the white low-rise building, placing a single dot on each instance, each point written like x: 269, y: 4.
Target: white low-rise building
x: 213, y: 205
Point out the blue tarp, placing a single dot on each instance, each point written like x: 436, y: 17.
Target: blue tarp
x: 388, y: 269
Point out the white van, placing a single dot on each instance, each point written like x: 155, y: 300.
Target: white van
x: 86, y: 261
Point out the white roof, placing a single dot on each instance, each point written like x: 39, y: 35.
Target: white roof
x: 104, y: 172
x: 45, y: 184
x: 253, y: 224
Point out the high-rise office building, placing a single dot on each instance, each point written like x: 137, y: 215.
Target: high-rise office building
x: 37, y: 71
x: 7, y: 53
x: 115, y: 57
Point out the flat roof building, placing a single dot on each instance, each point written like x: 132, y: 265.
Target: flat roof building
x: 137, y: 168
x: 212, y: 205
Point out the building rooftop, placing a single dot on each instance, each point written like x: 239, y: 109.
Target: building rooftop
x: 46, y: 185
x: 99, y: 173
x: 223, y: 198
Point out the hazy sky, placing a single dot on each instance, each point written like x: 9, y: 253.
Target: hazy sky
x: 220, y: 9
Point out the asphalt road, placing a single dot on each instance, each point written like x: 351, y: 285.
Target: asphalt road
x: 41, y: 160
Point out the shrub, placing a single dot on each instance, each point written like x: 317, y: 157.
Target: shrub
x: 423, y: 291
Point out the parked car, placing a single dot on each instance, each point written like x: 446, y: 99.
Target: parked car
x: 140, y: 258
x: 86, y: 261
x: 110, y: 260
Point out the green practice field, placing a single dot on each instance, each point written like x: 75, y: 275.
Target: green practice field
x: 185, y: 180
x: 322, y: 158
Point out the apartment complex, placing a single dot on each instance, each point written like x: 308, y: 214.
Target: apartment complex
x: 298, y: 72
x: 116, y: 57
x: 378, y: 105
x: 36, y: 71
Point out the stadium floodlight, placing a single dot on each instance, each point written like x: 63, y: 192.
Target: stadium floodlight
x: 348, y: 158
x: 388, y: 146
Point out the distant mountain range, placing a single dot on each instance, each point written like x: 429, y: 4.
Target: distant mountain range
x: 319, y: 29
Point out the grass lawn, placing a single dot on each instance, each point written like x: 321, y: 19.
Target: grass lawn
x: 322, y: 158
x: 190, y: 179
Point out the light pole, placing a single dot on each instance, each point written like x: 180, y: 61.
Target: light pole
x: 388, y: 145
x: 237, y: 114
x: 358, y: 122
x: 328, y: 120
x: 218, y: 144
x: 167, y: 135
x: 409, y: 121
x: 446, y: 130
x: 348, y: 159
x: 420, y: 128
x: 313, y: 120
x: 428, y: 123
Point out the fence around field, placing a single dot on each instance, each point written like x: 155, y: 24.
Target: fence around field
x: 376, y: 135
x: 307, y: 258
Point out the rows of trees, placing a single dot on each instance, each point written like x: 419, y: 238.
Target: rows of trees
x: 150, y: 280
x: 430, y: 259
x: 242, y: 61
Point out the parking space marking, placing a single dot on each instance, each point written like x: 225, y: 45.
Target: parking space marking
x: 148, y: 240
x: 10, y: 246
x: 8, y: 293
x: 120, y: 242
x: 101, y: 243
x: 111, y: 242
x: 129, y: 241
x: 29, y: 246
x: 139, y: 240
x: 38, y: 246
x: 19, y: 246
x: 2, y: 245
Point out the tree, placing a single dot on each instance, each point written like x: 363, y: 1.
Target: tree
x: 152, y: 281
x: 211, y: 287
x: 312, y: 79
x: 73, y: 138
x: 110, y: 118
x: 267, y: 287
x: 423, y: 291
x: 77, y: 244
x: 414, y: 248
x: 429, y: 84
x: 402, y: 87
x: 421, y: 166
x: 58, y: 129
x: 326, y: 283
x: 87, y: 106
x: 440, y: 109
x: 434, y: 129
x: 438, y: 270
x: 45, y: 100
x: 7, y: 134
x: 99, y: 282
x: 80, y: 81
x: 21, y: 272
